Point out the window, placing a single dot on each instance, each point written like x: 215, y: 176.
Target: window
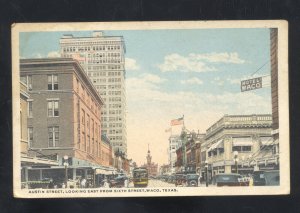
x: 241, y: 148
x: 53, y: 134
x: 53, y: 109
x: 52, y: 82
x: 30, y: 136
x: 28, y: 81
x: 30, y: 109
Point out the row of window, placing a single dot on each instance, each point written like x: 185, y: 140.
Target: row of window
x: 52, y: 108
x: 112, y: 112
x: 97, y: 74
x: 220, y: 151
x: 112, y: 118
x: 103, y: 61
x: 51, y: 79
x: 95, y: 48
x: 106, y: 125
x: 53, y: 136
x: 87, y: 98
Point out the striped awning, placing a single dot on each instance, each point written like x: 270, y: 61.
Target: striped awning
x: 219, y: 144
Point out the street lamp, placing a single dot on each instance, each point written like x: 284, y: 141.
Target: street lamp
x: 206, y: 173
x: 66, y: 164
x: 235, y: 154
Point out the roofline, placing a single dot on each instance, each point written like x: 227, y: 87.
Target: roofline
x: 73, y: 62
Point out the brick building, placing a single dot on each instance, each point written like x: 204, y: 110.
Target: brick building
x: 64, y: 112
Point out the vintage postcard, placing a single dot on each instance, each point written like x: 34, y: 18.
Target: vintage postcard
x: 138, y: 109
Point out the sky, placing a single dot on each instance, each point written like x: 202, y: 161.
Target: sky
x: 171, y: 73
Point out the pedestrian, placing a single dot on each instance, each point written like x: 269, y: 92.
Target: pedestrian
x: 51, y: 184
x: 83, y: 183
x: 126, y: 182
x: 251, y: 181
x: 199, y: 179
x: 106, y: 184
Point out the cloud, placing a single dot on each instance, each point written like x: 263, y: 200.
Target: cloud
x: 192, y: 81
x: 176, y: 62
x: 218, y: 81
x: 198, y: 62
x: 234, y: 80
x: 153, y: 78
x: 232, y: 58
x: 131, y: 64
x: 37, y: 55
x: 53, y: 54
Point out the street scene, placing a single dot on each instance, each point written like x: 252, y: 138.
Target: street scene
x: 149, y: 108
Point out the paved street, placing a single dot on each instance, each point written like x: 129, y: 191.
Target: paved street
x: 156, y: 183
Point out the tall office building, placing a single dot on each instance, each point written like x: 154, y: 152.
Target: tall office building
x: 102, y: 58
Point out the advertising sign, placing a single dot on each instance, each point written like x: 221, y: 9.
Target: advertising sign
x: 251, y: 84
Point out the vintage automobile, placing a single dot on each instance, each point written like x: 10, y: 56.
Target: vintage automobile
x: 180, y: 179
x: 117, y: 182
x: 140, y: 177
x: 259, y: 178
x: 228, y: 180
x: 266, y: 178
x: 192, y: 180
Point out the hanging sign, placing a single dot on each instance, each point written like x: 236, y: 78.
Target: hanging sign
x: 251, y: 84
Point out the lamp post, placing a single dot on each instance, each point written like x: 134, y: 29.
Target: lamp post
x: 206, y: 173
x: 235, y: 154
x: 66, y: 164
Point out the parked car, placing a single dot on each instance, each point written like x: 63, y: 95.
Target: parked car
x: 171, y: 179
x: 266, y: 178
x: 180, y: 180
x: 192, y: 180
x: 227, y: 180
x: 272, y: 178
x: 117, y: 182
x: 259, y: 178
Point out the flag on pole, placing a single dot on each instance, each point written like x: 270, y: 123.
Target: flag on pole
x: 177, y: 121
x: 168, y: 130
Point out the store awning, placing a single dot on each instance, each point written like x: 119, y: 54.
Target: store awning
x: 103, y: 172
x: 219, y: 144
x: 242, y: 141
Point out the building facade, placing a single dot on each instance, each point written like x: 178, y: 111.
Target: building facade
x: 64, y: 116
x: 151, y: 166
x: 174, y: 143
x: 274, y: 86
x: 102, y: 58
x: 240, y: 142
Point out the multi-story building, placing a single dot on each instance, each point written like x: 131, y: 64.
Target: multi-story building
x: 187, y: 154
x: 64, y: 112
x: 274, y: 85
x: 174, y: 143
x: 247, y: 136
x: 102, y: 58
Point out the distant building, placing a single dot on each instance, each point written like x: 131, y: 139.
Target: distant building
x: 188, y: 154
x: 64, y: 115
x: 174, y: 143
x: 151, y: 167
x: 102, y: 58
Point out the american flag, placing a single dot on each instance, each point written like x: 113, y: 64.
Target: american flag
x: 177, y: 121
